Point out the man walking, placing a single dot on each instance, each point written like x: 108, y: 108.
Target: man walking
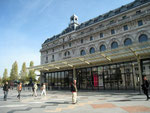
x: 74, y: 92
x: 5, y: 89
x: 145, y: 86
x: 19, y: 88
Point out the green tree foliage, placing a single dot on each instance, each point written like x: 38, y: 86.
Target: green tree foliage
x: 14, y: 72
x: 32, y: 72
x: 23, y: 73
x: 5, y: 76
x: 39, y: 79
x: 0, y: 81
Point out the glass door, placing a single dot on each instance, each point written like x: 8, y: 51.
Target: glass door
x: 78, y: 75
x: 83, y: 79
x: 89, y: 78
x: 107, y: 79
x: 128, y: 76
x: 101, y: 77
x: 146, y: 68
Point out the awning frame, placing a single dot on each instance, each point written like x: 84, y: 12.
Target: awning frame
x: 134, y: 51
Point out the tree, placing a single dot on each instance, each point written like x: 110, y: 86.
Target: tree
x: 14, y: 72
x: 32, y: 75
x: 23, y: 73
x: 5, y: 76
x: 39, y: 80
x: 0, y: 81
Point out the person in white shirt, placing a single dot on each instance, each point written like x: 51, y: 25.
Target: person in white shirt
x: 35, y: 89
x: 43, y: 89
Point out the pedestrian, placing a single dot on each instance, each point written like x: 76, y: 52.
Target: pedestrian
x: 43, y: 88
x: 74, y: 92
x: 6, y: 89
x: 32, y: 89
x: 145, y: 87
x: 35, y: 89
x: 19, y: 89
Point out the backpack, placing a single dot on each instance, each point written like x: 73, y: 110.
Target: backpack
x: 19, y: 87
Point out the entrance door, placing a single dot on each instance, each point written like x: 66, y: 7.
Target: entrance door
x: 95, y: 77
x: 129, y: 82
x: 146, y: 68
x: 82, y: 78
x: 95, y: 80
x: 89, y: 78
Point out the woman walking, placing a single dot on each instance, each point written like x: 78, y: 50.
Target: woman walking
x: 43, y: 89
x: 74, y: 92
x: 19, y: 88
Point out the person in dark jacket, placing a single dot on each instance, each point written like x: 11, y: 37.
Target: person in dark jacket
x: 5, y: 89
x: 74, y: 92
x: 145, y: 87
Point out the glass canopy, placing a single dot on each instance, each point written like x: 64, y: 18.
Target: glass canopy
x: 125, y: 53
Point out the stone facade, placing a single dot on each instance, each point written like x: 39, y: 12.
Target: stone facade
x: 130, y: 23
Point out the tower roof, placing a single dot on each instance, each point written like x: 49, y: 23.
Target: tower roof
x: 74, y: 17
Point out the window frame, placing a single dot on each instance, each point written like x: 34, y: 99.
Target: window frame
x: 125, y: 27
x: 91, y: 51
x: 140, y: 23
x: 101, y: 47
x: 101, y: 35
x: 125, y: 44
x: 91, y: 38
x: 112, y: 31
x: 82, y: 41
x: 112, y: 45
x: 82, y: 52
x: 144, y: 39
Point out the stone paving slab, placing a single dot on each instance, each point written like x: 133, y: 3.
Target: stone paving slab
x: 88, y: 102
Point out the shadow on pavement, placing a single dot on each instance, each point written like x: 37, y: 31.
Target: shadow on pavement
x: 57, y: 103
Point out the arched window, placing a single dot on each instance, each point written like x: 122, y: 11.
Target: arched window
x: 143, y: 38
x: 114, y: 45
x: 82, y: 52
x: 68, y: 53
x: 65, y: 54
x: 127, y: 42
x: 92, y: 50
x: 102, y: 48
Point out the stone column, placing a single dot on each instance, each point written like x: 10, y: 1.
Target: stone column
x: 74, y: 73
x: 140, y: 74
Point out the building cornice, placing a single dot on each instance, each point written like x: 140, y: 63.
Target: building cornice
x: 96, y: 23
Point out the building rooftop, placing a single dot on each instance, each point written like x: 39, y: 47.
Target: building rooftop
x: 107, y: 15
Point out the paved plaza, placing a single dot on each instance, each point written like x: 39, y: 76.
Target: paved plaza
x: 88, y: 102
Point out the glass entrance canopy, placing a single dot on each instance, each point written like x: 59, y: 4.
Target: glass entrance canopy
x: 124, y: 53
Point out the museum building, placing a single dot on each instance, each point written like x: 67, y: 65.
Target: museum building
x: 108, y: 52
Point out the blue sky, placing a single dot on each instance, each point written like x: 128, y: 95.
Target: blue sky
x: 26, y: 24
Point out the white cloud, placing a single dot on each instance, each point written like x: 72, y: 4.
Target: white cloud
x: 45, y: 6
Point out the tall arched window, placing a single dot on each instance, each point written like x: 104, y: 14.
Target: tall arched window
x: 127, y: 41
x: 82, y: 52
x: 143, y: 38
x: 92, y: 50
x: 68, y: 53
x: 114, y: 45
x: 102, y: 48
x: 65, y: 54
